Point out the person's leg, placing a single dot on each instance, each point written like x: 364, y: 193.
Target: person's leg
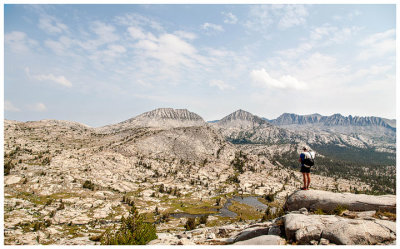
x: 304, y: 181
x: 308, y: 180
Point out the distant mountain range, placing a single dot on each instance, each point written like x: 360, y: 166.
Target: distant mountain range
x: 333, y: 120
x: 242, y: 127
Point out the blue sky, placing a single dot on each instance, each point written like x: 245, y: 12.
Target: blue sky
x: 102, y: 64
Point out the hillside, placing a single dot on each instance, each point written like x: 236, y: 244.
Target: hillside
x: 66, y: 183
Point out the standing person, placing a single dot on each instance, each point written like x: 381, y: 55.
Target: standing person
x: 305, y: 158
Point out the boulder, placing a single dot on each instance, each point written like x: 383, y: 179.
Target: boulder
x: 274, y: 230
x: 251, y: 233
x: 263, y: 240
x: 304, y: 229
x: 211, y: 236
x: 328, y: 201
x: 357, y: 232
x: 11, y: 179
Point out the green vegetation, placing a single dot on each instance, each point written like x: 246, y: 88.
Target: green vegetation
x: 233, y: 178
x: 339, y: 209
x: 319, y: 212
x: 244, y: 212
x: 190, y: 224
x: 391, y: 216
x: 269, y: 215
x: 191, y: 206
x: 203, y: 219
x: 88, y: 184
x: 353, y: 154
x: 7, y: 167
x: 239, y: 162
x: 133, y: 231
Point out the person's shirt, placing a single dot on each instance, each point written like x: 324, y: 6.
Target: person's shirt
x: 302, y: 157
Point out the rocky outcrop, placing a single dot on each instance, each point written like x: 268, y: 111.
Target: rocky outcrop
x: 304, y: 229
x: 328, y: 201
x: 252, y: 232
x: 263, y: 240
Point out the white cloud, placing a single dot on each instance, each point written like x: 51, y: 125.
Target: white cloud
x: 51, y: 25
x: 293, y: 15
x: 185, y: 35
x: 230, y: 18
x: 136, y: 33
x: 112, y: 52
x: 350, y: 16
x: 220, y: 84
x: 261, y: 78
x: 8, y: 106
x: 60, y: 47
x: 19, y: 41
x: 137, y: 20
x: 332, y: 34
x: 322, y: 36
x: 60, y: 80
x: 38, y: 107
x: 105, y: 34
x: 169, y: 49
x: 210, y: 26
x: 284, y: 16
x: 378, y: 45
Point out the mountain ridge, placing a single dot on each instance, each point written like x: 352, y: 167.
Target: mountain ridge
x: 333, y: 120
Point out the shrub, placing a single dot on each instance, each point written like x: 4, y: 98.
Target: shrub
x: 269, y: 197
x: 218, y: 202
x: 268, y: 215
x: 190, y: 224
x: 88, y: 184
x: 203, y: 219
x: 319, y: 211
x: 339, y: 209
x: 7, y: 167
x: 233, y: 178
x: 133, y: 231
x: 61, y: 206
x: 165, y: 217
x: 391, y: 216
x: 46, y: 161
x: 96, y: 237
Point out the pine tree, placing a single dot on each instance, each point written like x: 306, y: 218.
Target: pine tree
x: 133, y: 231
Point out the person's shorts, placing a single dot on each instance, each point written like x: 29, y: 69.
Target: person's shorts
x: 305, y: 169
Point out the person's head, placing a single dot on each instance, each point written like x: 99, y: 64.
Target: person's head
x: 304, y: 149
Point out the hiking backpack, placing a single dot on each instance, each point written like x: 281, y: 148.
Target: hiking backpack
x: 309, y: 161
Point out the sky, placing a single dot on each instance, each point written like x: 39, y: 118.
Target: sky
x: 102, y: 64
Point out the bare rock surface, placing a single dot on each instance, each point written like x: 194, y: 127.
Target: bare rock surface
x: 328, y: 201
x: 338, y: 230
x: 252, y: 232
x: 263, y: 240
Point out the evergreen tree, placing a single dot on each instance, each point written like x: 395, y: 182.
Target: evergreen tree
x: 133, y: 231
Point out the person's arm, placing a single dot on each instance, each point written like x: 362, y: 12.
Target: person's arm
x: 301, y: 157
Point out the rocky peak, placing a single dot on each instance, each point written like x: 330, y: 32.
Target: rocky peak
x: 163, y: 118
x: 241, y: 115
x: 170, y: 113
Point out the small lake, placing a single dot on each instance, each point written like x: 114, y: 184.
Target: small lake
x: 225, y: 212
